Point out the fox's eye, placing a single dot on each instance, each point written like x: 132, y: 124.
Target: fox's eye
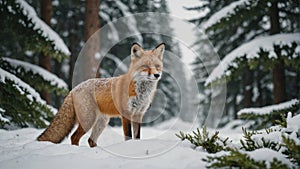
x: 145, y: 66
x: 157, y: 66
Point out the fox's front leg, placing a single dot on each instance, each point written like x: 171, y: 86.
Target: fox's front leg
x: 126, y: 128
x: 136, y: 124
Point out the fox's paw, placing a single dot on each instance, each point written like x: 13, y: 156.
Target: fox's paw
x: 92, y: 143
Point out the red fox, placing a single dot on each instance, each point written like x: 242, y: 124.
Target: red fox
x: 93, y: 102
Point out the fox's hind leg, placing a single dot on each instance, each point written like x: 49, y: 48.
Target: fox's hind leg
x: 77, y: 135
x: 98, y: 127
x: 86, y: 109
x: 85, y: 123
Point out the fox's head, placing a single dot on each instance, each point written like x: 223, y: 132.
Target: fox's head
x: 146, y: 64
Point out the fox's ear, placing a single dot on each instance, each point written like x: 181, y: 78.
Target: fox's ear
x: 159, y: 50
x: 136, y: 51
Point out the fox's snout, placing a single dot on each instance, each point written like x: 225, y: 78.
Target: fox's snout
x: 155, y: 76
x: 153, y: 73
x: 144, y: 75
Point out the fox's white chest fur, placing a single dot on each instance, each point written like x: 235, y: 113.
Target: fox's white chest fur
x: 139, y: 103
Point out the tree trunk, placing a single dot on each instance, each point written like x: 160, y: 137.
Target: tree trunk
x: 298, y: 80
x: 58, y: 72
x: 92, y: 24
x: 247, y: 87
x: 278, y: 70
x: 235, y: 105
x: 279, y: 82
x: 45, y: 60
x: 92, y: 19
x: 259, y: 101
x: 74, y: 42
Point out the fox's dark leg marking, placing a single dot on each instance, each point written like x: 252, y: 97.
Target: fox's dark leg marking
x: 77, y: 135
x: 98, y: 127
x: 129, y: 133
x: 137, y: 134
x: 92, y: 143
x: 136, y: 124
x: 126, y: 128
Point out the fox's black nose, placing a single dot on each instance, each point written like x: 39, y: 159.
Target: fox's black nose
x: 156, y: 76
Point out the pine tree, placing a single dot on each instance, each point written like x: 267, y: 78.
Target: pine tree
x: 32, y: 33
x: 21, y: 80
x: 264, y: 14
x: 243, y: 21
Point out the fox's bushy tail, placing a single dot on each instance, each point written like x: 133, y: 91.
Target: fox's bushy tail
x: 62, y: 123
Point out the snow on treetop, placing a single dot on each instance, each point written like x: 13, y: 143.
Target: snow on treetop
x: 47, y: 32
x: 293, y: 123
x: 250, y: 49
x: 46, y: 75
x: 269, y: 109
x: 216, y: 17
x: 21, y: 86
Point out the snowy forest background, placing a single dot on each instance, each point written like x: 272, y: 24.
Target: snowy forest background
x: 257, y: 42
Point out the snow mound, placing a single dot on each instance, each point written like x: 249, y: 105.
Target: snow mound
x: 177, y: 124
x: 250, y: 49
x: 269, y: 109
x: 20, y: 150
x: 46, y: 75
x: 40, y: 25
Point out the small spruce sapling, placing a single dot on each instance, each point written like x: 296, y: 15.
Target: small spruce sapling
x: 211, y: 144
x: 250, y: 144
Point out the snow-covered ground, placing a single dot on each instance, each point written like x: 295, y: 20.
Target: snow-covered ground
x: 159, y: 148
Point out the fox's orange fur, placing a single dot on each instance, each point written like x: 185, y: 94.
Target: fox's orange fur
x: 93, y: 102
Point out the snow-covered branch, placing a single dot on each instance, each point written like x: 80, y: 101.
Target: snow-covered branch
x: 250, y: 50
x: 22, y: 87
x: 40, y: 26
x: 269, y: 109
x: 46, y: 75
x: 223, y: 13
